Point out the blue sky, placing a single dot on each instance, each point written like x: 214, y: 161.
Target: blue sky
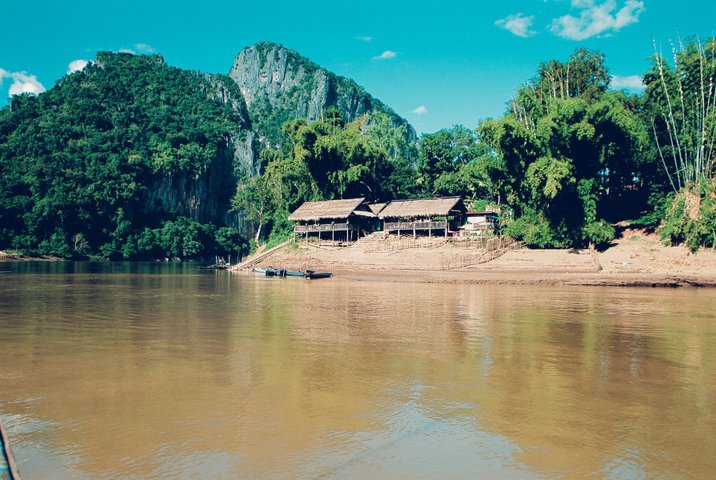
x: 436, y: 63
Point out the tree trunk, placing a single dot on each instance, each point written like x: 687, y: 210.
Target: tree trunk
x: 258, y: 232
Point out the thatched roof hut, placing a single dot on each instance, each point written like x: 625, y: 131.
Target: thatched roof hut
x: 342, y: 220
x: 423, y: 208
x: 329, y: 210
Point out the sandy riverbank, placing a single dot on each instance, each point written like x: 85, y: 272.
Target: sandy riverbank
x: 18, y: 257
x: 636, y: 258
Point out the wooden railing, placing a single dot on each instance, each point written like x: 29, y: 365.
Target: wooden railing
x: 323, y: 227
x: 418, y: 225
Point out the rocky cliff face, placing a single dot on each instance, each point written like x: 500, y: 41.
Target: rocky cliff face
x: 242, y: 139
x: 205, y: 196
x: 279, y: 85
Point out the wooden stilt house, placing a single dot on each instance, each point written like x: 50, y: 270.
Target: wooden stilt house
x: 335, y: 220
x: 427, y: 216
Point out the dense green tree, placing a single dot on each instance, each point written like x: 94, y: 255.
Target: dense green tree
x: 402, y: 155
x: 456, y: 161
x: 256, y: 201
x: 341, y: 159
x: 584, y: 75
x: 571, y: 150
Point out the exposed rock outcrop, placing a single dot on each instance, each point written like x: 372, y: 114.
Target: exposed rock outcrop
x: 242, y: 140
x: 205, y: 195
x: 279, y: 85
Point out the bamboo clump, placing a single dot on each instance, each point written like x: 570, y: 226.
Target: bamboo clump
x: 692, y: 137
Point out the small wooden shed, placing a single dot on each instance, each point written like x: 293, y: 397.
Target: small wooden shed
x: 337, y: 220
x: 480, y: 223
x: 440, y: 215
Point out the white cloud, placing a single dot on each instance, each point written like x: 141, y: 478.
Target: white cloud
x: 421, y: 110
x: 517, y: 25
x: 387, y: 55
x: 76, y: 65
x: 597, y: 19
x: 364, y: 38
x: 630, y: 82
x: 144, y: 48
x: 22, y: 82
x: 139, y: 49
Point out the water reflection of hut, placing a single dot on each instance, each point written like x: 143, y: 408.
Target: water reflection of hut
x: 342, y: 220
x: 439, y: 216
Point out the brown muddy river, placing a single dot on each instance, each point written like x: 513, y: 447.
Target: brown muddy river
x: 145, y: 371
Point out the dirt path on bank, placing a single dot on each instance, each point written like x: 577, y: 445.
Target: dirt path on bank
x: 636, y: 258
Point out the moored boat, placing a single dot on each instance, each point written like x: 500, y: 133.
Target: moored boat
x: 271, y: 272
x: 8, y: 467
x: 219, y: 264
x: 213, y: 267
x: 311, y: 275
x: 282, y: 272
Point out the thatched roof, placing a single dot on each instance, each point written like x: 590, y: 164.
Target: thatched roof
x: 327, y: 209
x: 376, y: 207
x: 426, y: 207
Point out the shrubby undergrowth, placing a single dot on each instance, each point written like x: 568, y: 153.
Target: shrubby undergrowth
x: 690, y: 217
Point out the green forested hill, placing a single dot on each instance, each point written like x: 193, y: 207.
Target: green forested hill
x: 109, y: 159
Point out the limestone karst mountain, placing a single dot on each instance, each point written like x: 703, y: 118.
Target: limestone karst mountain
x: 278, y: 85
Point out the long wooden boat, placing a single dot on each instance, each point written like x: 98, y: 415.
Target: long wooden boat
x: 271, y: 272
x: 282, y: 272
x: 311, y: 275
x: 213, y: 267
x: 8, y: 467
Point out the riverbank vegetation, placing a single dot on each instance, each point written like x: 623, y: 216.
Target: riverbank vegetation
x: 570, y: 158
